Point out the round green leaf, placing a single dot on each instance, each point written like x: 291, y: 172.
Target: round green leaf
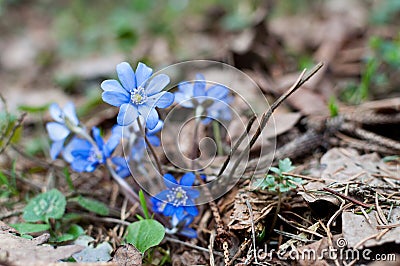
x: 145, y: 234
x: 45, y: 206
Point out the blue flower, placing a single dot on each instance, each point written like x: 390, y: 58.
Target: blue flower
x: 135, y: 95
x: 178, y: 199
x: 65, y: 120
x: 210, y: 103
x: 122, y: 167
x: 183, y: 225
x: 84, y: 156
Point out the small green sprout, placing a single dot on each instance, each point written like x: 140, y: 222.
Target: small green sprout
x: 280, y: 181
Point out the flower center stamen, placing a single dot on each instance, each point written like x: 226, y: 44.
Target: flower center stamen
x: 95, y: 157
x: 138, y: 96
x: 177, y: 196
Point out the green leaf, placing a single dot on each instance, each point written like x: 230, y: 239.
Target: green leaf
x: 283, y: 188
x: 45, y: 206
x: 34, y: 109
x: 144, y: 204
x: 390, y: 158
x: 275, y: 170
x: 92, y: 205
x: 76, y: 231
x: 285, y: 165
x: 62, y: 238
x: 145, y: 234
x: 25, y: 228
x: 333, y: 107
x: 68, y: 179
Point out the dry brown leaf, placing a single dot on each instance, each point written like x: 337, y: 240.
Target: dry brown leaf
x: 25, y: 252
x: 319, y: 247
x: 356, y: 228
x: 261, y: 205
x: 344, y: 165
x: 127, y: 255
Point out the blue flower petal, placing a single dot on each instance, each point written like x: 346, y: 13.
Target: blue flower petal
x: 187, y: 179
x: 188, y: 232
x: 162, y: 196
x: 81, y: 153
x: 169, y: 210
x: 149, y: 114
x: 158, y: 128
x: 157, y: 84
x: 186, y: 88
x: 192, y: 210
x: 57, y: 131
x: 127, y: 114
x: 97, y: 137
x: 110, y: 146
x: 115, y: 98
x: 199, y: 87
x: 165, y: 99
x: 182, y: 100
x: 126, y: 76
x: 154, y: 140
x: 143, y: 73
x: 179, y: 212
x: 56, y: 148
x: 70, y: 113
x: 192, y: 193
x: 79, y: 165
x: 75, y: 144
x: 217, y: 91
x: 170, y: 181
x: 91, y: 167
x: 56, y: 113
x: 113, y: 85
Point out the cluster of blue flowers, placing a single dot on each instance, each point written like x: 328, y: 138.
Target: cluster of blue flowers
x: 137, y: 97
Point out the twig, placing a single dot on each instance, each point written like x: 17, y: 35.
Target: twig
x: 237, y: 144
x: 242, y: 247
x: 211, y: 248
x: 14, y: 129
x: 170, y: 239
x: 389, y: 226
x: 299, y: 227
x: 267, y: 115
x: 253, y: 231
x: 357, y: 202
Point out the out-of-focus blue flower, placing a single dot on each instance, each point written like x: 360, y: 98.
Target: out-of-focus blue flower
x: 134, y: 137
x: 210, y: 103
x: 135, y: 96
x: 183, y: 225
x: 122, y: 167
x: 178, y: 199
x: 65, y: 120
x: 84, y: 156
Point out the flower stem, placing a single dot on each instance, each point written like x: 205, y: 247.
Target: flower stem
x: 217, y: 136
x: 195, y: 143
x: 151, y: 148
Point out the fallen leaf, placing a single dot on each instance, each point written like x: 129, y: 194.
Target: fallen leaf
x: 356, y: 228
x: 90, y: 253
x: 127, y: 255
x: 25, y: 252
x: 345, y: 165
